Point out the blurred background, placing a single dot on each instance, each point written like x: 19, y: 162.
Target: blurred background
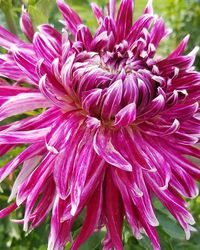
x: 183, y: 16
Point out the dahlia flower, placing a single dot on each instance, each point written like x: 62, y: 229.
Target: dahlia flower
x: 115, y: 128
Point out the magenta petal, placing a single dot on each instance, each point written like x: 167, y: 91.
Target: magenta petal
x: 110, y: 125
x: 82, y: 166
x: 45, y: 47
x: 180, y: 49
x: 10, y: 69
x: 65, y: 164
x: 28, y: 153
x: 44, y: 206
x: 28, y: 166
x: 184, y: 183
x: 6, y: 211
x: 26, y: 25
x: 40, y: 175
x: 124, y: 18
x: 66, y: 73
x: 149, y: 7
x: 27, y: 63
x: 156, y: 106
x: 143, y: 22
x: 48, y: 90
x: 71, y: 18
x: 94, y: 209
x: 35, y: 191
x: 130, y: 214
x: 112, y: 8
x: 126, y: 116
x: 113, y: 99
x: 105, y: 149
x: 113, y: 213
x: 84, y: 36
x: 23, y: 137
x: 24, y: 102
x: 97, y: 12
x: 158, y: 32
x: 7, y: 39
x: 60, y: 231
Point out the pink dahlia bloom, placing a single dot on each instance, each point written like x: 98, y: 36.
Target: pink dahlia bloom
x: 115, y: 129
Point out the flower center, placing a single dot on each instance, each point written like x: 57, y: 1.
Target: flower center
x: 110, y: 84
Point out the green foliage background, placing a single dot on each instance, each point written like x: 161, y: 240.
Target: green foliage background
x: 183, y: 16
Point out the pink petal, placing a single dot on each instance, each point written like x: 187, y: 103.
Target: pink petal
x: 104, y: 148
x: 94, y: 209
x: 97, y: 12
x: 70, y: 16
x: 113, y: 212
x: 124, y: 18
x: 26, y: 25
x: 24, y: 102
x: 126, y: 116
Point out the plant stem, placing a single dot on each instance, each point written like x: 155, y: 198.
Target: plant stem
x: 10, y: 21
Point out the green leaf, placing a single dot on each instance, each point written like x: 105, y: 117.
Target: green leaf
x: 185, y: 246
x: 5, y: 5
x: 93, y: 242
x: 40, y: 12
x: 42, y: 247
x: 165, y: 240
x: 170, y: 226
x: 145, y: 243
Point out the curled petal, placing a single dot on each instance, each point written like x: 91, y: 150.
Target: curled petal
x: 60, y: 232
x: 158, y: 32
x: 104, y: 148
x: 112, y: 101
x: 84, y: 36
x: 66, y: 73
x: 130, y: 213
x: 44, y: 47
x: 143, y: 22
x: 27, y: 63
x: 155, y: 107
x: 126, y: 116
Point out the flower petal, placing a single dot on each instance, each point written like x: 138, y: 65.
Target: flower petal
x: 105, y: 149
x: 26, y: 24
x: 124, y: 18
x: 126, y: 116
x: 71, y: 18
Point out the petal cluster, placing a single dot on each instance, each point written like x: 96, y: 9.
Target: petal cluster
x: 115, y: 128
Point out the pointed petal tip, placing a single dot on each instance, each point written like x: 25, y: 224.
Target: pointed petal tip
x: 73, y: 209
x: 194, y: 51
x: 52, y: 149
x: 149, y: 7
x: 60, y: 2
x: 186, y: 38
